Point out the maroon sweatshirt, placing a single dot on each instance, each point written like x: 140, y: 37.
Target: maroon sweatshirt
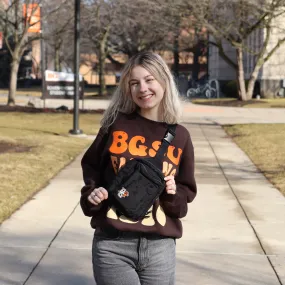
x: 133, y: 136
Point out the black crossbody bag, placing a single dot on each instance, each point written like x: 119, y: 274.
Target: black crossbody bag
x: 140, y: 182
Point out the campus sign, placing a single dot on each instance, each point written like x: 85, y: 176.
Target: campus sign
x: 61, y: 85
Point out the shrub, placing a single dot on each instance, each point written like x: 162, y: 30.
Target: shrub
x: 230, y: 89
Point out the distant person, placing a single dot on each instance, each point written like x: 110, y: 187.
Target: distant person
x: 127, y: 251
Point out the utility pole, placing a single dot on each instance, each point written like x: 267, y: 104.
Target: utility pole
x: 76, y: 130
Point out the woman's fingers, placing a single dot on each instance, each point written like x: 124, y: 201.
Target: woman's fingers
x: 170, y: 191
x: 94, y: 201
x: 170, y: 182
x: 170, y: 185
x: 170, y: 177
x: 104, y: 192
x: 98, y: 195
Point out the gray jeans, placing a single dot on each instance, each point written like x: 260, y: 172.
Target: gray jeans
x: 122, y: 258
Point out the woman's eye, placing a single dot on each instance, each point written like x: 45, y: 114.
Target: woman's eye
x: 134, y: 84
x: 149, y: 80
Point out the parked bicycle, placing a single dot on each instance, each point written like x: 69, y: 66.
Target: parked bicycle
x: 211, y: 89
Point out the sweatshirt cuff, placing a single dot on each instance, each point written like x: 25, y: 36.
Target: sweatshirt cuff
x: 93, y: 207
x: 169, y: 198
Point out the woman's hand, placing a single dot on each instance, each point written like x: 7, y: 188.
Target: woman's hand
x: 170, y: 185
x: 98, y: 195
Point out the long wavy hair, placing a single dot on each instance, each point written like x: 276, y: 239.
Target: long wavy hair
x: 122, y: 99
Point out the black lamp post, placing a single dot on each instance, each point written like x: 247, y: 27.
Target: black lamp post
x: 43, y: 65
x: 76, y: 130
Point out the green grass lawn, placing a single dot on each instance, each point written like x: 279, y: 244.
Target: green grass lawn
x: 43, y: 148
x: 265, y: 145
x: 254, y: 103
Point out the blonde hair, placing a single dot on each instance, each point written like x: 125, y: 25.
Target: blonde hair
x: 122, y: 99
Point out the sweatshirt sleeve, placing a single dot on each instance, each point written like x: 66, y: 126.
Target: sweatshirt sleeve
x: 175, y: 206
x: 90, y: 164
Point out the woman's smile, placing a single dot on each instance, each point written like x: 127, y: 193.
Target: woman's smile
x: 146, y: 97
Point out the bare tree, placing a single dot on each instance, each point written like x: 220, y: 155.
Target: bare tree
x: 187, y: 37
x: 59, y: 35
x: 119, y: 26
x: 175, y: 31
x: 98, y: 20
x: 140, y: 26
x: 128, y: 27
x: 236, y: 23
x: 17, y: 20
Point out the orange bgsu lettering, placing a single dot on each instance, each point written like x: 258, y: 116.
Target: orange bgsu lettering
x: 155, y: 145
x: 170, y: 154
x: 137, y: 150
x: 119, y: 144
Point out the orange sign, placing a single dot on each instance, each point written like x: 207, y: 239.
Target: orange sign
x: 32, y: 16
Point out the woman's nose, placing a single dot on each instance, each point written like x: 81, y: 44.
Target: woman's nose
x: 143, y: 87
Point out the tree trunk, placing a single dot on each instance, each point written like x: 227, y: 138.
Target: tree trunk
x: 176, y: 58
x: 250, y: 88
x: 196, y: 65
x: 102, y: 84
x: 56, y: 60
x: 102, y: 58
x: 13, y: 82
x: 253, y: 77
x: 57, y: 63
x: 240, y: 75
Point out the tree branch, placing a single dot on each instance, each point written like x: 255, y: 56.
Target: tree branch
x: 222, y: 53
x: 114, y: 61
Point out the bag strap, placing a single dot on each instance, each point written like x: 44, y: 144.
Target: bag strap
x: 165, y: 142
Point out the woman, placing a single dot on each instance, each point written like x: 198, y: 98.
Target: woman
x: 125, y: 251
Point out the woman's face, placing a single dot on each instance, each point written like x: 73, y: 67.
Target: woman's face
x: 146, y: 91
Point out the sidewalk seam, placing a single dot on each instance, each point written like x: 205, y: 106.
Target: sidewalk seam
x: 48, y: 247
x: 248, y: 220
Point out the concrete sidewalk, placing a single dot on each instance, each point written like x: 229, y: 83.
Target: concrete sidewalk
x: 234, y: 233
